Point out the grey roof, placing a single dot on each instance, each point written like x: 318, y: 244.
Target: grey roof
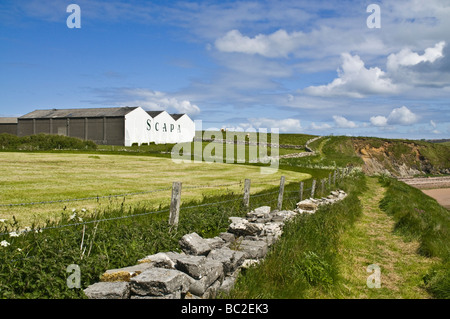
x: 154, y: 113
x: 176, y: 116
x: 8, y: 120
x: 79, y: 113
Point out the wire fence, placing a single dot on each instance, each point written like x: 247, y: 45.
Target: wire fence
x: 299, y: 196
x: 97, y: 197
x: 176, y: 210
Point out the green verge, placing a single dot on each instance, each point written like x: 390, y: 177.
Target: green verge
x: 305, y: 258
x: 420, y: 217
x: 371, y: 241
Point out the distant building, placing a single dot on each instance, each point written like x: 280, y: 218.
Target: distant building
x: 8, y: 125
x: 110, y: 126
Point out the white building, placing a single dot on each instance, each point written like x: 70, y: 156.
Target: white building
x: 158, y: 127
x: 110, y: 126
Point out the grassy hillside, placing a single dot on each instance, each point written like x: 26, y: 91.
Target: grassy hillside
x: 377, y: 155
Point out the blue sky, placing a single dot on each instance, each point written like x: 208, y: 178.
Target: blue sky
x: 301, y: 66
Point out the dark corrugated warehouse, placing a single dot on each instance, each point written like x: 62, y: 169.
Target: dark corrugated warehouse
x: 101, y: 125
x: 8, y: 125
x: 107, y: 126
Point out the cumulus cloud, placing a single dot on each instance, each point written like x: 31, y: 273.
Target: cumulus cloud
x: 378, y: 120
x: 284, y: 125
x: 406, y: 57
x: 402, y: 116
x: 398, y: 116
x: 145, y: 98
x: 355, y: 80
x: 323, y: 126
x: 277, y: 44
x: 155, y: 100
x: 342, y: 122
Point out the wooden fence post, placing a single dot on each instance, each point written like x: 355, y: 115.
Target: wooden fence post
x: 175, y: 204
x: 323, y: 187
x: 280, y: 194
x: 301, y: 191
x: 334, y: 178
x: 329, y: 181
x: 247, y: 192
x: 313, y: 188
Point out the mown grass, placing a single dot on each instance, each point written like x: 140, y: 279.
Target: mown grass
x: 419, y: 217
x: 35, y: 177
x: 306, y: 256
x: 371, y: 241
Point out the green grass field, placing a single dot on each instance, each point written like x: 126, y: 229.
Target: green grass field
x: 381, y: 221
x: 35, y: 177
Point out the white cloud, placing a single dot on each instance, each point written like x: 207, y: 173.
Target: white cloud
x: 432, y: 123
x: 402, y: 116
x: 342, y: 122
x: 323, y: 126
x: 398, y: 116
x: 284, y: 125
x: 277, y: 44
x: 378, y: 120
x: 155, y: 100
x: 355, y: 80
x: 406, y: 57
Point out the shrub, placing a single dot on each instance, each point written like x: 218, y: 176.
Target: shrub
x: 44, y: 142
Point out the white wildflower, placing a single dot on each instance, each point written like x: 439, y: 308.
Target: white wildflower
x: 80, y: 219
x: 4, y: 243
x: 19, y: 249
x: 74, y: 210
x: 83, y: 210
x: 13, y: 234
x: 73, y: 216
x: 3, y: 220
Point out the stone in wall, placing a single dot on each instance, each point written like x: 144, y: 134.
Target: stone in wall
x: 205, y: 266
x: 108, y: 290
x: 194, y: 244
x: 160, y: 282
x: 230, y: 259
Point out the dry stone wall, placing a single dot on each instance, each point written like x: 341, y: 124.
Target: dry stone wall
x: 205, y: 266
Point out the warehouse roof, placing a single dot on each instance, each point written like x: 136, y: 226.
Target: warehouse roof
x: 154, y: 113
x: 8, y: 120
x: 176, y: 116
x: 77, y: 113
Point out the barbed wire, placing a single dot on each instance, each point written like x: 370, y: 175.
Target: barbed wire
x: 146, y: 213
x: 36, y: 230
x: 85, y: 198
x: 138, y: 215
x: 123, y: 195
